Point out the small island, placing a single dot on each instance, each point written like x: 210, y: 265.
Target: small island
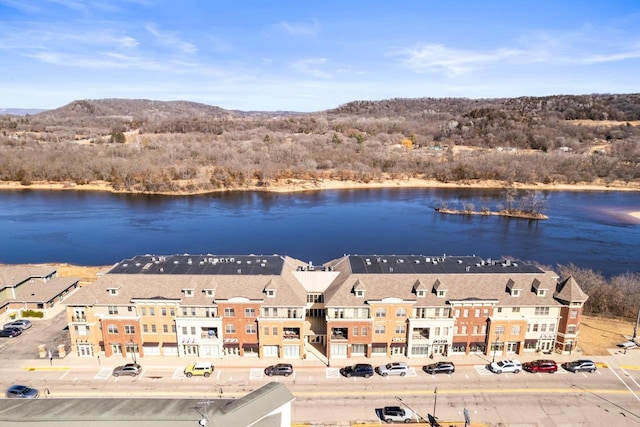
x: 527, y: 206
x: 512, y: 213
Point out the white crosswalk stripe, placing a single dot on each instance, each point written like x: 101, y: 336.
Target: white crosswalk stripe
x: 256, y: 374
x: 178, y: 373
x: 104, y: 373
x: 332, y: 372
x: 482, y: 370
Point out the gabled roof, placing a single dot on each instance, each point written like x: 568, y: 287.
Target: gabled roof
x: 12, y: 275
x: 570, y: 291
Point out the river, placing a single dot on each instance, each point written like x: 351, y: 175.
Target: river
x: 589, y: 229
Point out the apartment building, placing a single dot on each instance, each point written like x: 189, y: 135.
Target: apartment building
x: 356, y: 305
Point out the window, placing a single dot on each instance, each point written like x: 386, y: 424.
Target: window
x: 355, y: 331
x: 112, y: 291
x: 230, y: 329
x: 129, y: 309
x: 193, y: 311
x: 145, y: 328
x: 542, y: 292
x: 113, y: 310
x: 400, y: 329
x: 172, y: 311
x: 249, y: 312
x: 381, y: 312
x: 445, y: 330
x: 129, y: 329
x: 515, y: 330
x: 165, y: 329
x: 250, y: 329
x: 464, y: 330
x: 379, y: 329
x: 229, y: 312
x: 515, y: 309
x: 193, y: 330
x: 401, y: 312
x: 542, y: 311
x: 573, y: 314
x: 535, y: 327
x: 440, y: 294
x: 483, y: 330
x: 164, y: 311
x: 515, y: 292
x: 485, y: 312
x: 543, y: 327
x: 173, y: 329
x: 184, y: 311
x: 208, y: 292
x: 499, y: 309
x: 571, y: 329
x: 465, y: 313
x: 153, y: 329
x: 112, y: 329
x: 457, y: 312
x: 274, y: 331
x: 266, y: 330
x: 152, y: 311
x: 188, y: 292
x: 311, y: 298
x: 292, y: 313
x: 184, y: 330
x: 455, y: 330
x: 143, y: 311
x: 499, y: 329
x: 552, y: 327
x: 421, y: 313
x: 365, y: 331
x: 359, y: 293
x: 475, y: 329
x: 437, y: 331
x: 271, y: 293
x: 338, y: 313
x: 477, y: 312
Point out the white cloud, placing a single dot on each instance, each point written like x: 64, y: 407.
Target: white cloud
x: 311, y: 67
x: 171, y: 39
x: 298, y: 28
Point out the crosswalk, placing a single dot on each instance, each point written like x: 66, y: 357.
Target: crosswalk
x: 103, y: 373
x: 332, y: 372
x: 178, y: 373
x: 256, y: 374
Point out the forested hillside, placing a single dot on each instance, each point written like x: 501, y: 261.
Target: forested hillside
x: 180, y: 146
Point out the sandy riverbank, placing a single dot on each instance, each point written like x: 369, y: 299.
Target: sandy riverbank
x: 291, y: 186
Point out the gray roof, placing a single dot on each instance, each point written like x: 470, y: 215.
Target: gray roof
x: 463, y: 278
x: 254, y: 409
x: 139, y: 283
x: 12, y: 275
x: 247, y: 265
x: 569, y: 291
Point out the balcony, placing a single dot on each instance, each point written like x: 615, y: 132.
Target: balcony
x: 291, y: 334
x: 209, y: 334
x: 420, y: 334
x: 78, y: 318
x: 339, y: 334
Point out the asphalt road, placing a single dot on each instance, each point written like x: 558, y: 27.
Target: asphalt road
x: 611, y: 396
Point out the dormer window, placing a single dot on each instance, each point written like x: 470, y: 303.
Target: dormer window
x: 515, y: 292
x: 112, y: 291
x: 358, y: 289
x: 420, y: 289
x: 542, y: 292
x: 188, y: 292
x: 538, y: 288
x: 270, y: 293
x: 439, y: 289
x: 513, y: 288
x: 209, y: 292
x: 421, y: 293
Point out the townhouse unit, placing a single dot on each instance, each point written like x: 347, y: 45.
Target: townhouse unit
x: 356, y: 305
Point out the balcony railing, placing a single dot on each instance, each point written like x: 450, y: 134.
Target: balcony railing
x: 79, y: 319
x: 206, y: 336
x: 291, y: 335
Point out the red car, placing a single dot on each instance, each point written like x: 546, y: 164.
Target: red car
x: 542, y: 365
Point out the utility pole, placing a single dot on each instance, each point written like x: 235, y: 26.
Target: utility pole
x: 435, y: 400
x: 635, y: 328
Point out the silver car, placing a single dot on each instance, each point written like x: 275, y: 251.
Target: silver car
x: 131, y: 369
x: 20, y: 324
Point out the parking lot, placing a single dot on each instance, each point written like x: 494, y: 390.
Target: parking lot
x: 49, y: 331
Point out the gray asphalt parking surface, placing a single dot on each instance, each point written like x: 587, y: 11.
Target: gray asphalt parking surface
x: 48, y: 331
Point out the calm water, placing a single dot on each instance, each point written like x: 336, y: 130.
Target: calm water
x: 588, y: 229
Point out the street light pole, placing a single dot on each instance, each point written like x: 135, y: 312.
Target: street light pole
x: 635, y: 328
x: 435, y: 400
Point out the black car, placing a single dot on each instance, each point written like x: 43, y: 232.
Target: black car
x: 10, y: 332
x: 440, y: 368
x: 280, y: 369
x: 358, y: 370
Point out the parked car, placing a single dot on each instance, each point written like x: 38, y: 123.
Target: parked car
x: 628, y: 345
x: 203, y: 369
x: 280, y: 369
x: 20, y: 324
x: 357, y: 370
x: 440, y: 368
x: 395, y: 368
x: 21, y: 392
x: 541, y: 365
x: 580, y: 365
x: 392, y: 414
x: 507, y: 365
x: 132, y: 369
x: 10, y: 332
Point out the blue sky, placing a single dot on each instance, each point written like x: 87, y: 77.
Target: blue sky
x: 309, y: 55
